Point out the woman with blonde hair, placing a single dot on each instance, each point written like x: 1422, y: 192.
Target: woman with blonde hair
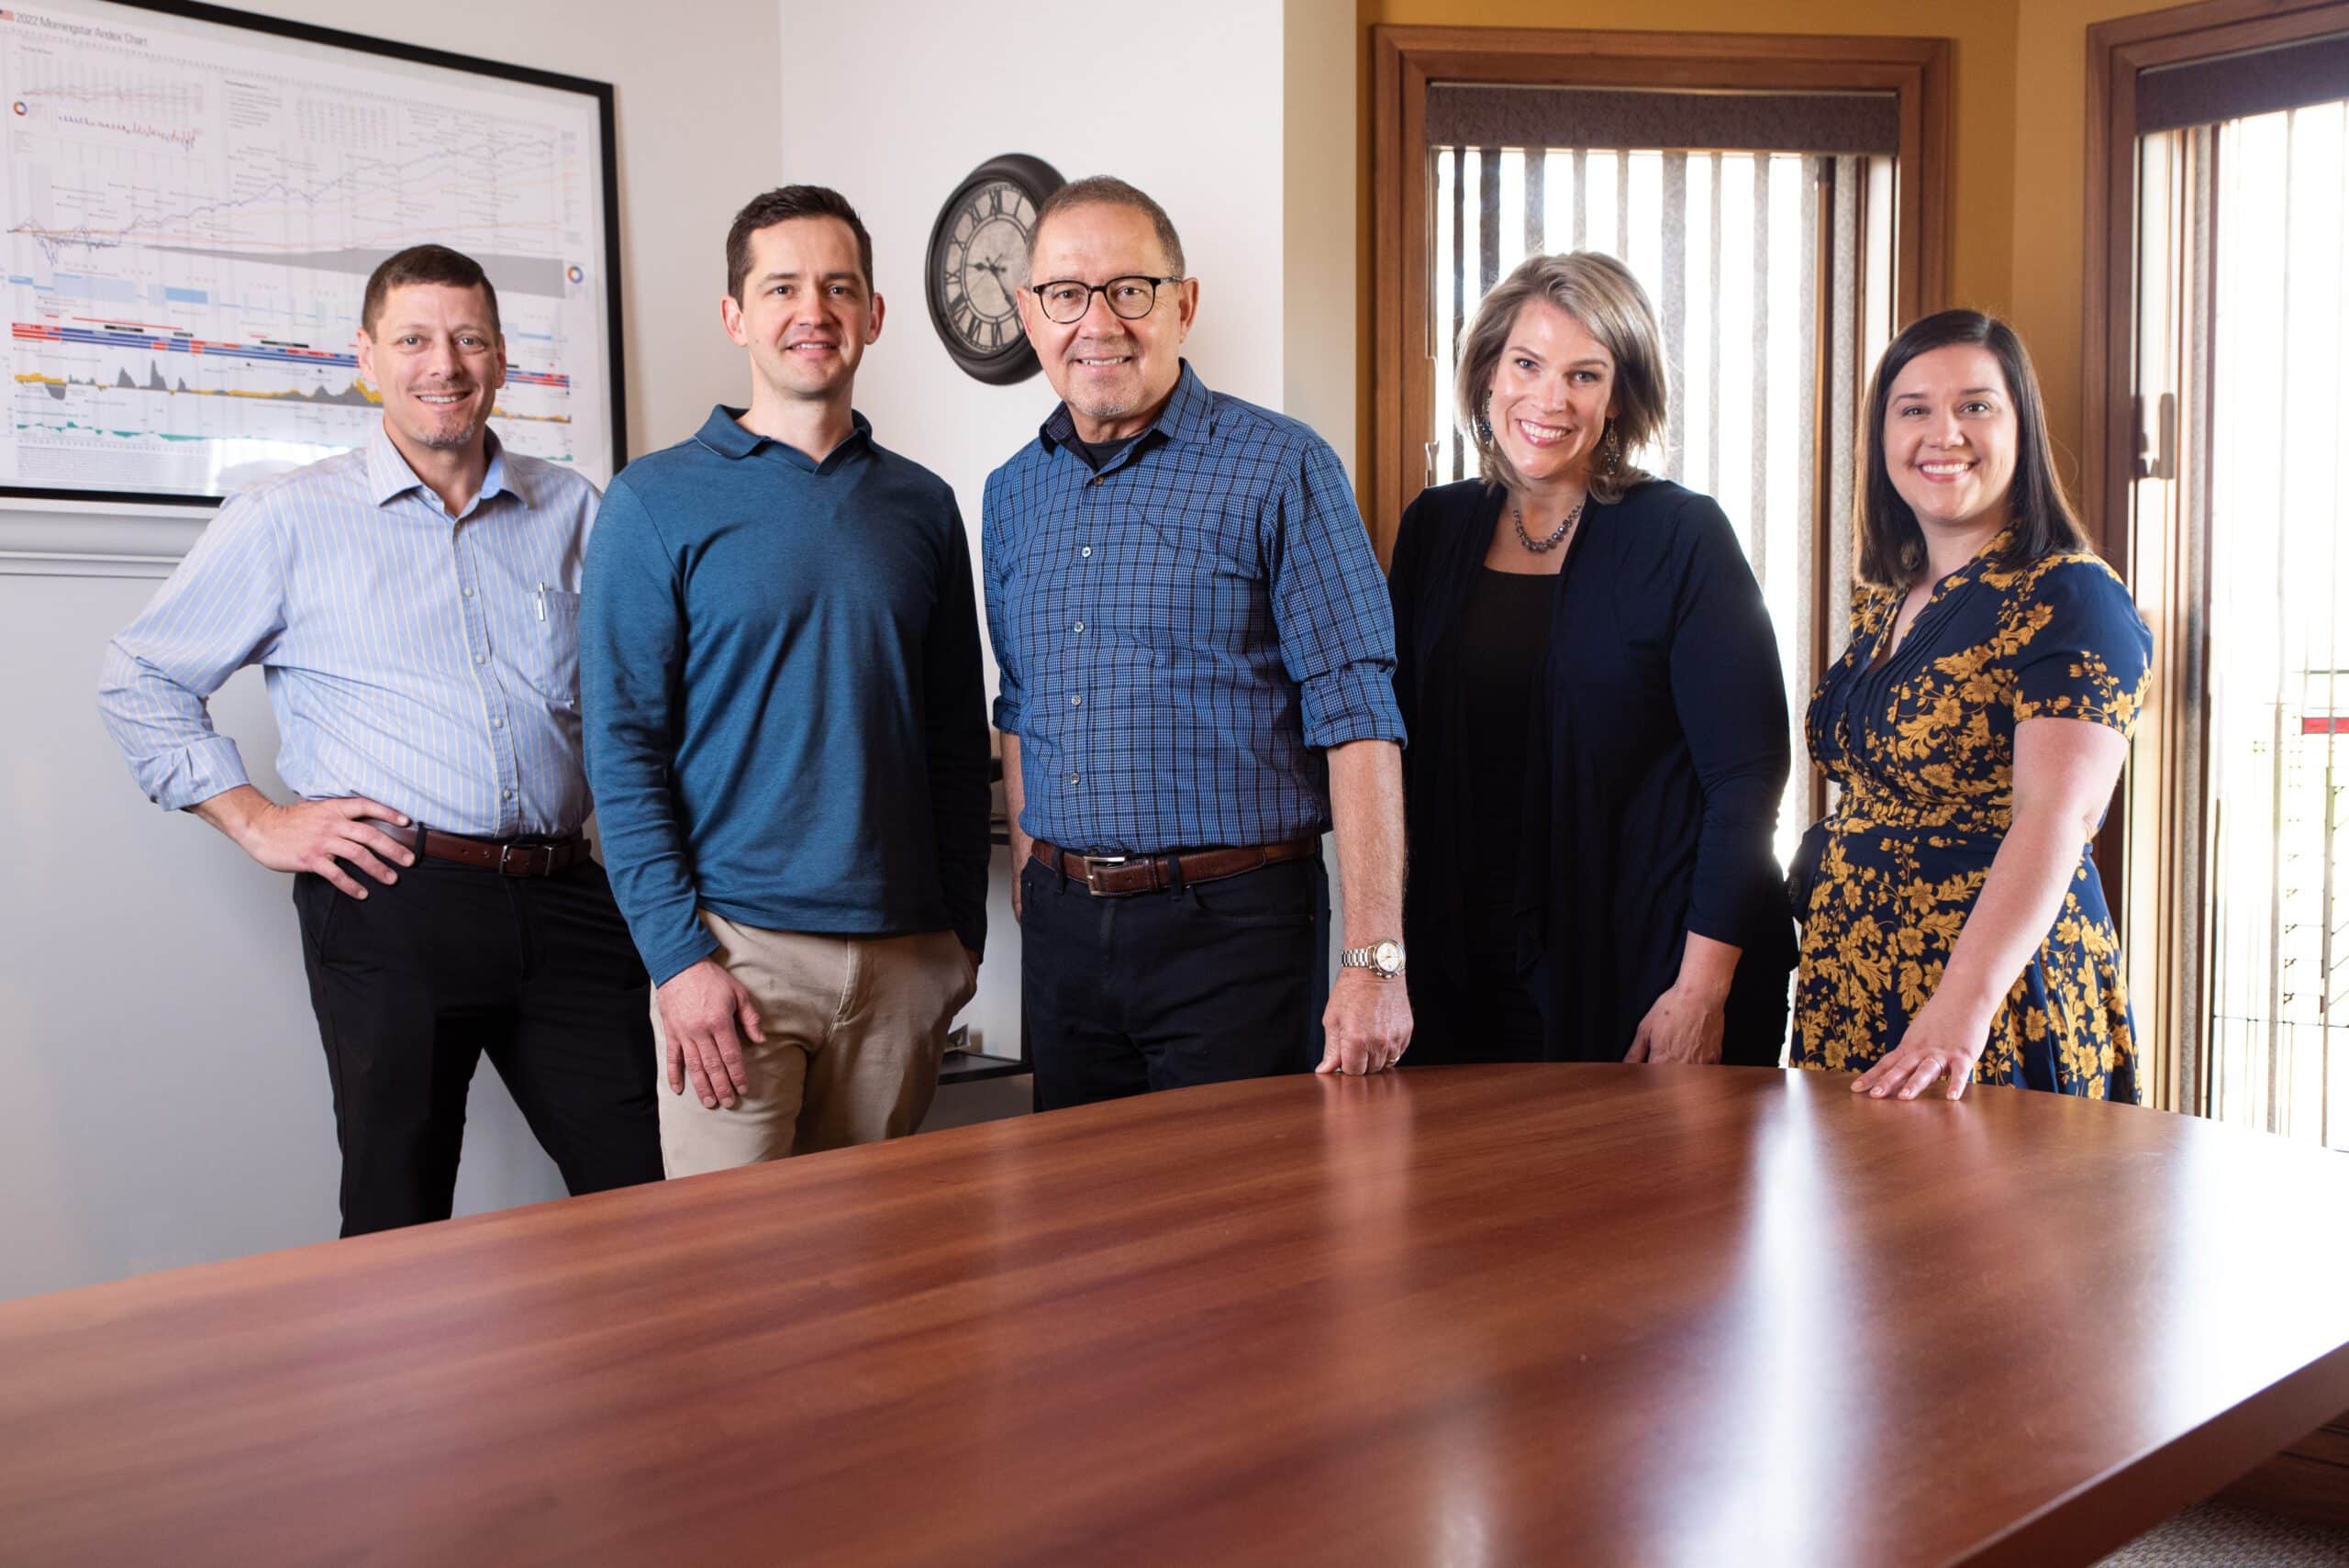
x: 1955, y: 928
x: 1598, y: 725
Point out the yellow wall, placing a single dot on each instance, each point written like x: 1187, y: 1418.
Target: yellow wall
x: 2017, y: 74
x: 2051, y: 148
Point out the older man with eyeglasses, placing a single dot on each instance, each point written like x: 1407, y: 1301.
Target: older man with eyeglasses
x: 1198, y: 657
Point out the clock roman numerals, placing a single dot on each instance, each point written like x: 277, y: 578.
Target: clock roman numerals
x: 978, y: 266
x: 984, y: 332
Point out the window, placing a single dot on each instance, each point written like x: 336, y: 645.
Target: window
x: 2236, y: 372
x: 1780, y: 198
x: 1771, y: 275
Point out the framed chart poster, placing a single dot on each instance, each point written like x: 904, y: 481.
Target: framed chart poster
x: 193, y: 199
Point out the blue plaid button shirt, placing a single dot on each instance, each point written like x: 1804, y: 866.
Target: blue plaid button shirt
x: 1181, y: 634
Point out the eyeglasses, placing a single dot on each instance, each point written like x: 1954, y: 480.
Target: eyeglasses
x: 1065, y: 300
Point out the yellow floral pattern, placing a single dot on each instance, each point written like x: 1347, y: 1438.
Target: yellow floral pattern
x: 1922, y: 745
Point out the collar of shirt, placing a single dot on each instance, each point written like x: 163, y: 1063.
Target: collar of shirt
x: 389, y: 476
x: 723, y: 433
x: 1184, y: 418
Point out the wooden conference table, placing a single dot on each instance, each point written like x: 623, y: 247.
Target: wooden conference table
x: 1475, y: 1315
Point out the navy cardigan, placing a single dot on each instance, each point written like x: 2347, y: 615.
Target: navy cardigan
x: 1660, y: 748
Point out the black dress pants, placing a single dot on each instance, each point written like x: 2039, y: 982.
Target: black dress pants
x: 417, y: 981
x: 1217, y: 981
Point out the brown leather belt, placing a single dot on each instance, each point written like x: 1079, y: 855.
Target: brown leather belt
x: 524, y: 857
x: 1120, y: 876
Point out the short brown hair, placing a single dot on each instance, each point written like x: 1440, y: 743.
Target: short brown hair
x: 780, y: 205
x: 1599, y: 292
x: 424, y: 264
x: 1890, y: 551
x: 1107, y: 190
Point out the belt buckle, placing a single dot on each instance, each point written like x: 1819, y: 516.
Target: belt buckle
x: 1095, y: 863
x: 506, y: 856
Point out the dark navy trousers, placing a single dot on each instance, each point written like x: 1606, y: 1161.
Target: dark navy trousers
x: 1216, y: 981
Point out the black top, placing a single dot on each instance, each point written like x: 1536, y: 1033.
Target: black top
x: 1656, y: 752
x: 1493, y: 662
x: 1099, y: 455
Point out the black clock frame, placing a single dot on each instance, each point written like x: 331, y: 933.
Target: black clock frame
x: 1015, y: 360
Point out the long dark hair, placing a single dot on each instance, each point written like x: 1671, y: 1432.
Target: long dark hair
x: 1891, y: 552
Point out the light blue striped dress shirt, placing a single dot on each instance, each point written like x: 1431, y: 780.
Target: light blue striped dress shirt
x: 424, y: 661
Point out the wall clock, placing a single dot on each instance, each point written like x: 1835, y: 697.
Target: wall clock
x: 978, y: 262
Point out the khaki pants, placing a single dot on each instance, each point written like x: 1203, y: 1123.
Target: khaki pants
x: 855, y: 1029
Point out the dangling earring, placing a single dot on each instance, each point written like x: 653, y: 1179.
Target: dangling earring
x: 1484, y: 422
x: 1613, y: 447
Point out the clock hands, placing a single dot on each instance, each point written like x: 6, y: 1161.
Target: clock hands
x: 996, y: 269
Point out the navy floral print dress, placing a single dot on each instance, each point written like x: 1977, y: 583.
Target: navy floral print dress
x: 1923, y: 747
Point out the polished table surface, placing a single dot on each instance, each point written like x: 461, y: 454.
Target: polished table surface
x: 1477, y: 1316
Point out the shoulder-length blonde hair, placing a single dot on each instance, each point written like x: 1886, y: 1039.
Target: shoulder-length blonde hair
x: 1599, y: 292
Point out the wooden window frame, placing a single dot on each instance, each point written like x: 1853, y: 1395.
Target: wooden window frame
x: 2175, y: 1069
x: 1405, y: 60
x: 2117, y: 51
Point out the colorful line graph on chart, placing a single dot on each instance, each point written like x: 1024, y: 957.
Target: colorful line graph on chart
x: 190, y: 212
x: 174, y: 342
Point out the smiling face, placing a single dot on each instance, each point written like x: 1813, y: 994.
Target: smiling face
x: 1950, y: 437
x: 806, y: 314
x: 1114, y: 375
x: 1552, y: 393
x: 437, y: 360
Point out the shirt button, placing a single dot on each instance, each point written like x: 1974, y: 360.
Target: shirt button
x: 468, y: 593
x: 1086, y: 552
x: 1078, y: 628
x: 498, y: 723
x: 1071, y: 779
x: 1076, y: 702
x: 505, y: 794
x: 481, y: 657
x: 1095, y: 480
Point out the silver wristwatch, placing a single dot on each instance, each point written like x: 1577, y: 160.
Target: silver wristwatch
x: 1383, y: 959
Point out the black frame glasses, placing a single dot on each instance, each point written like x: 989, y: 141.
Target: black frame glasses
x: 1149, y: 300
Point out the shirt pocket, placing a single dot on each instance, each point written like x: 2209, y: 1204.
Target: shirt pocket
x: 549, y: 657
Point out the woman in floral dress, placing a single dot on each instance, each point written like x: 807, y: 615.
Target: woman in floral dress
x: 1955, y: 928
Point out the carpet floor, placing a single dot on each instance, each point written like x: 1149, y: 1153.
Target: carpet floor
x: 2213, y: 1535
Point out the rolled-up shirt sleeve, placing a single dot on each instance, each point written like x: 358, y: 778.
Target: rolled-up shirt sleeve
x: 223, y: 608
x: 1331, y: 607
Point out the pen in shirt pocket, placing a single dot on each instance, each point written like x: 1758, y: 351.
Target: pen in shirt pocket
x: 542, y: 601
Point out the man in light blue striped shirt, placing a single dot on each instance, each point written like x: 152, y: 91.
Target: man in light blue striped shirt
x: 413, y: 603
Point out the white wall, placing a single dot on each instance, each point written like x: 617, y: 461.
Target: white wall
x: 1237, y: 116
x: 165, y: 1100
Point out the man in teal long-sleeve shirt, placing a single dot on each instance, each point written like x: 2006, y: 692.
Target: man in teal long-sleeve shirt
x: 785, y: 728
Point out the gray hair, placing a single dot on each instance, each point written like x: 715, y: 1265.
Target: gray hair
x: 1107, y: 190
x: 1599, y: 292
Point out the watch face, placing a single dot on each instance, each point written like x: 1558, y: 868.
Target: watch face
x: 984, y: 264
x: 1388, y: 956
x: 978, y: 264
